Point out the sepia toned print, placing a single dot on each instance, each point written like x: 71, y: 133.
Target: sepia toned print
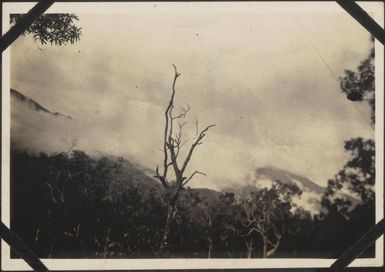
x: 141, y: 133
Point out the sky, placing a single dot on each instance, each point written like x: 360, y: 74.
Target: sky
x: 257, y: 76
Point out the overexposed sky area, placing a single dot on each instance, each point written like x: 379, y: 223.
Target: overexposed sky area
x: 256, y: 75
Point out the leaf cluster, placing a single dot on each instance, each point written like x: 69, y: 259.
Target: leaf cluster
x: 359, y: 84
x: 55, y: 29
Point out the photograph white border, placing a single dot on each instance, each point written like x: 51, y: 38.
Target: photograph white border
x: 375, y: 8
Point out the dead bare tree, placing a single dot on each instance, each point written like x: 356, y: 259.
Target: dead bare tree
x: 172, y: 145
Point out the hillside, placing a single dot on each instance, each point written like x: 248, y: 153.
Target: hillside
x: 273, y: 173
x: 311, y: 196
x: 32, y: 104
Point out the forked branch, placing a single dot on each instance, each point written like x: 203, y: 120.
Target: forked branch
x: 192, y: 175
x: 197, y: 142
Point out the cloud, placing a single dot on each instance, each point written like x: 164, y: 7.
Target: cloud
x: 256, y: 77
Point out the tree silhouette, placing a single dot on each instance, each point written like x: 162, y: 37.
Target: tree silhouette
x: 359, y: 85
x: 55, y: 29
x: 266, y: 211
x: 358, y: 174
x: 172, y: 145
x: 351, y: 218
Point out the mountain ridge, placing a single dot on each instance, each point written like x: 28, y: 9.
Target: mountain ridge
x: 33, y: 104
x: 286, y: 176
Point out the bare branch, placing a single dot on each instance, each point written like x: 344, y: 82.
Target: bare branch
x: 176, y: 71
x: 161, y: 179
x: 174, y: 161
x: 170, y: 139
x: 254, y: 229
x: 168, y: 126
x: 192, y: 175
x: 275, y: 247
x: 194, y: 145
x: 183, y: 113
x: 178, y: 139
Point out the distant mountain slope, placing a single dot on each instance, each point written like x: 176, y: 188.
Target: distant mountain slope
x: 312, y: 193
x: 208, y: 195
x: 32, y: 104
x: 141, y: 177
x: 273, y: 173
x: 133, y: 174
x: 311, y: 196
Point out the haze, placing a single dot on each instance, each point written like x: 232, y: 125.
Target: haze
x: 255, y: 75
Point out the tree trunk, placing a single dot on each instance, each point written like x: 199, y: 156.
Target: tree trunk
x: 250, y: 249
x: 37, y: 233
x: 210, y: 247
x: 166, y: 230
x: 264, y: 249
x: 105, y: 250
x: 51, y: 249
x: 227, y: 252
x: 271, y: 251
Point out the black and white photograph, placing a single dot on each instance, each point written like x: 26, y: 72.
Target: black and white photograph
x: 143, y: 135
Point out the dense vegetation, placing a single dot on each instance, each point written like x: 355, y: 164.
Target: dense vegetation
x: 72, y: 205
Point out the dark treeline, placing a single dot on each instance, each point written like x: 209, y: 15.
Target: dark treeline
x: 69, y: 205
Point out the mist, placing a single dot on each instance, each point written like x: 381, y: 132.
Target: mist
x: 257, y: 78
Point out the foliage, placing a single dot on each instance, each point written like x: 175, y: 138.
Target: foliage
x: 266, y: 212
x: 344, y: 217
x: 341, y: 218
x: 357, y: 176
x: 359, y: 85
x: 70, y: 205
x: 57, y: 29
